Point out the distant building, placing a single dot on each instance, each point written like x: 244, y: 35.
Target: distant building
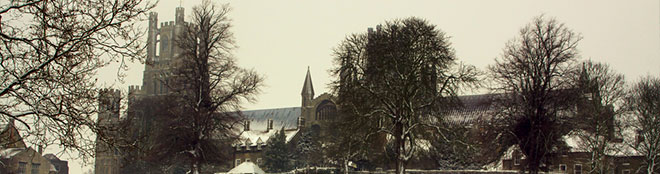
x: 260, y: 125
x: 107, y: 159
x: 578, y: 161
x: 619, y: 157
x: 15, y: 157
x: 9, y: 136
x: 161, y: 51
x: 61, y: 166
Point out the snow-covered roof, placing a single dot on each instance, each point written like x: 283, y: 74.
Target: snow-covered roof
x: 508, y: 154
x: 255, y: 137
x: 576, y: 144
x: 282, y: 117
x: 52, y: 168
x: 247, y: 168
x: 573, y: 142
x: 258, y: 133
x: 51, y: 157
x: 4, y: 125
x: 10, y: 152
x: 472, y: 108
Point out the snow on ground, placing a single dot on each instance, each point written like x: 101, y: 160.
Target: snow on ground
x: 247, y: 168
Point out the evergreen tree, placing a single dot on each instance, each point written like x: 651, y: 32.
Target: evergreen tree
x: 276, y: 154
x: 308, y: 148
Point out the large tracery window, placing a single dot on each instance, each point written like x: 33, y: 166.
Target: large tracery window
x: 326, y: 110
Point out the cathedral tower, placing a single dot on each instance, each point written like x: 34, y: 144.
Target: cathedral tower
x: 161, y: 50
x: 107, y: 159
x: 307, y: 95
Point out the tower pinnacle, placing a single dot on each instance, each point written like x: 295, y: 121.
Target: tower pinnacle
x: 308, y: 88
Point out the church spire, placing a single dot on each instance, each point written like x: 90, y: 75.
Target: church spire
x: 308, y: 89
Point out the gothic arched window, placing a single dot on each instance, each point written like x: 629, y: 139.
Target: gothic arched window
x: 326, y: 110
x: 163, y: 45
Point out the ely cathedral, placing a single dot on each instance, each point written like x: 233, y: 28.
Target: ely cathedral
x: 259, y: 125
x: 162, y: 53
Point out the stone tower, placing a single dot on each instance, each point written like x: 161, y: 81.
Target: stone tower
x: 107, y: 158
x: 307, y: 95
x: 161, y: 51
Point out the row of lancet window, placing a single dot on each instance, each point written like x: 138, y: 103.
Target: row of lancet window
x: 325, y: 111
x: 159, y: 88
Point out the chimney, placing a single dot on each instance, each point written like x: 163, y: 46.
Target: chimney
x: 246, y: 125
x: 301, y: 122
x: 270, y: 125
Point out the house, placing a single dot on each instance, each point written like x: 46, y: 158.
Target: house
x: 621, y: 159
x: 61, y: 165
x: 260, y: 125
x: 25, y: 161
x: 254, y: 138
x: 15, y: 157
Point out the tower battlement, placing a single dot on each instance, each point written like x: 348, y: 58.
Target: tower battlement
x: 134, y: 89
x: 167, y: 24
x: 161, y: 50
x: 108, y: 93
x: 109, y: 104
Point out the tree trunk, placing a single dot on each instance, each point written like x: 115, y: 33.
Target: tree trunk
x: 196, y: 160
x: 195, y: 168
x: 400, y: 148
x: 400, y: 167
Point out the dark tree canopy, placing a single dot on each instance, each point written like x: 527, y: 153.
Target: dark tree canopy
x: 277, y: 157
x: 308, y: 150
x: 532, y: 76
x: 399, y: 76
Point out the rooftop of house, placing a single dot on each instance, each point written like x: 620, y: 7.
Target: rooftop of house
x: 576, y: 142
x: 52, y: 157
x: 259, y: 132
x: 4, y: 125
x: 260, y: 137
x: 10, y: 152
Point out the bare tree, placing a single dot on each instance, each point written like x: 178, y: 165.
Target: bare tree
x: 532, y: 76
x: 208, y: 88
x: 643, y: 103
x: 602, y: 94
x: 50, y: 51
x: 347, y: 139
x: 399, y: 77
x: 458, y: 151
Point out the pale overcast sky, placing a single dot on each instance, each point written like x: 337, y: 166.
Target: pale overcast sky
x: 280, y: 39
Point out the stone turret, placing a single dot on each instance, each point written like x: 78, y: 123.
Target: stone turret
x: 109, y: 105
x: 307, y: 90
x: 152, y: 37
x: 307, y: 96
x: 161, y: 50
x: 179, y: 16
x: 107, y: 158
